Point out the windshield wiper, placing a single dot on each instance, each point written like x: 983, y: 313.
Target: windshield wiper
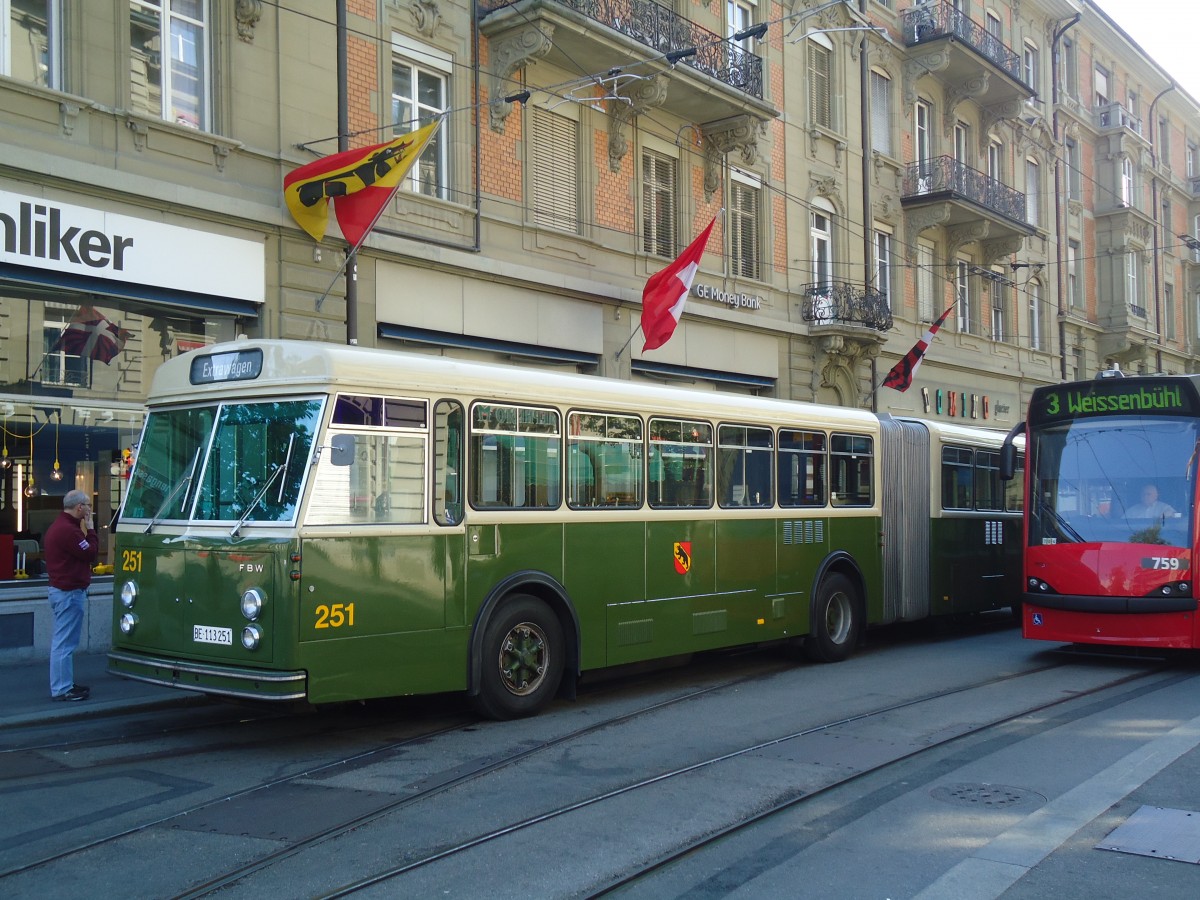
x: 179, y: 485
x: 1063, y: 526
x: 254, y: 503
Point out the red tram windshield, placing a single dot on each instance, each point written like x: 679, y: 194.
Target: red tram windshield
x: 1111, y: 511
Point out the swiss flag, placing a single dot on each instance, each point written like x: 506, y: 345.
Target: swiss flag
x: 900, y: 378
x: 90, y: 335
x: 666, y: 292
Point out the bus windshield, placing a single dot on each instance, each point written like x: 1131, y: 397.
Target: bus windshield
x: 231, y: 462
x: 1116, y: 479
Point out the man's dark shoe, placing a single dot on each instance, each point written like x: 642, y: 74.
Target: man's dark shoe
x: 75, y: 693
x: 82, y: 687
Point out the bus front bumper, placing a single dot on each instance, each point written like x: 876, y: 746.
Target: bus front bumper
x: 225, y: 681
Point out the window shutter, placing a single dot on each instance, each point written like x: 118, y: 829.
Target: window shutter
x: 818, y: 83
x: 743, y: 236
x: 658, y: 205
x: 881, y: 114
x: 556, y: 167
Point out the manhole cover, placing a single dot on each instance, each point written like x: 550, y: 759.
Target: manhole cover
x: 989, y: 796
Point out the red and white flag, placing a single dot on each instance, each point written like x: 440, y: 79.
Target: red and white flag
x: 90, y: 335
x: 900, y: 378
x: 666, y: 292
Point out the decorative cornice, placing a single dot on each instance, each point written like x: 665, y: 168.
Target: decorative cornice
x: 515, y: 50
x: 961, y: 235
x: 918, y: 220
x: 916, y: 68
x: 247, y: 13
x: 956, y: 94
x: 427, y: 15
x: 721, y: 137
x: 1000, y: 248
x: 637, y: 97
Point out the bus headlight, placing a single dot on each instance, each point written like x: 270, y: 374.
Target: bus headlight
x: 251, y: 637
x: 252, y: 603
x: 128, y: 621
x: 129, y: 592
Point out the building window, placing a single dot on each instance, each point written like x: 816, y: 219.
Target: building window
x: 1029, y: 67
x: 881, y: 113
x: 1192, y: 161
x: 926, y: 282
x: 739, y: 15
x: 1033, y: 192
x: 1101, y: 86
x: 998, y: 292
x: 1162, y: 142
x: 61, y: 366
x: 658, y: 204
x: 745, y: 196
x: 419, y: 92
x: 29, y: 50
x: 555, y: 144
x: 821, y: 247
x: 1074, y: 296
x: 1074, y: 171
x: 1069, y: 81
x: 820, y: 87
x: 922, y: 142
x: 965, y: 307
x: 1036, y: 338
x: 1169, y: 310
x: 883, y: 265
x: 1132, y: 294
x: 995, y: 161
x: 1126, y: 181
x: 170, y: 82
x: 962, y: 143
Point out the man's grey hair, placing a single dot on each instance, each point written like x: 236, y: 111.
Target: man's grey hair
x: 74, y: 498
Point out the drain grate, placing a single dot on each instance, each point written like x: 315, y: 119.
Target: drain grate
x: 989, y: 796
x: 1159, y: 833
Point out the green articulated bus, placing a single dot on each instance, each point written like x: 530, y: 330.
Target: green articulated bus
x: 319, y: 523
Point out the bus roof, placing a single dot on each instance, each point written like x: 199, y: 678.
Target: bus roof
x: 296, y: 367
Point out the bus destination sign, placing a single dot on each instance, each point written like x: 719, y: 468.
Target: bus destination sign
x: 240, y: 365
x: 1115, y: 397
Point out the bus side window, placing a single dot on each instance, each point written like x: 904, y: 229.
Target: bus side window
x: 987, y: 480
x: 853, y: 457
x: 681, y: 456
x: 447, y: 462
x: 802, y: 468
x: 957, y: 474
x: 744, y: 475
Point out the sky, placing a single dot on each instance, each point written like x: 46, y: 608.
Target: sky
x: 1166, y: 30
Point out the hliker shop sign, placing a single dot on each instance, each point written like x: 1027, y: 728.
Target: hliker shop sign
x: 61, y: 237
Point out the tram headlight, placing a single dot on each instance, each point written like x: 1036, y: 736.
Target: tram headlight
x: 252, y: 603
x: 128, y: 622
x: 251, y: 637
x: 129, y: 592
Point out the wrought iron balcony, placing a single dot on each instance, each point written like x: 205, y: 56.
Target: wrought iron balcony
x: 945, y: 178
x: 663, y: 31
x: 941, y: 20
x: 843, y: 303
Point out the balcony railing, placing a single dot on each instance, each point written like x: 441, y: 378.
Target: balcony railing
x: 842, y: 303
x: 938, y: 20
x: 1114, y: 115
x: 664, y: 31
x: 946, y: 175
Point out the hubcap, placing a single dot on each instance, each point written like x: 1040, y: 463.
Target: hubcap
x: 523, y: 656
x: 838, y: 618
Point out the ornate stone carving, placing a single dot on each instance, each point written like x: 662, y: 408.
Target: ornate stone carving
x: 989, y: 116
x: 956, y: 94
x: 68, y: 114
x: 926, y: 217
x: 247, y: 13
x: 961, y: 235
x: 629, y: 100
x: 514, y: 50
x: 1000, y: 248
x: 918, y: 67
x: 721, y: 137
x: 840, y: 352
x: 825, y: 186
x: 220, y: 155
x: 427, y: 15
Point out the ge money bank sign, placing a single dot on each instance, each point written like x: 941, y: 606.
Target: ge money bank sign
x: 77, y: 240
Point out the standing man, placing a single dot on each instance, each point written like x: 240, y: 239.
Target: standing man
x: 71, y: 547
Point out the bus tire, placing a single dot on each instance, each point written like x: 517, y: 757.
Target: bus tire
x: 522, y: 659
x: 836, y: 621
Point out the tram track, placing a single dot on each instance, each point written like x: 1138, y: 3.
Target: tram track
x: 448, y: 852
x: 359, y: 758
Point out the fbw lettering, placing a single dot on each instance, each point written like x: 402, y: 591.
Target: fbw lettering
x: 250, y: 567
x: 38, y: 232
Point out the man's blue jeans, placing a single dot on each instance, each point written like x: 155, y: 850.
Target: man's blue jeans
x: 68, y: 625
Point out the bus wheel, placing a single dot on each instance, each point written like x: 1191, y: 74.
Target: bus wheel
x: 522, y: 662
x: 836, y: 622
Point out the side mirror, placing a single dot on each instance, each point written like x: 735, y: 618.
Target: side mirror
x: 1008, y: 452
x: 342, y: 450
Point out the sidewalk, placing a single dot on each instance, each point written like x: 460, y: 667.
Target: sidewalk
x: 25, y: 692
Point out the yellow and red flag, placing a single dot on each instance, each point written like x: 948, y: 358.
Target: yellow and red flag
x: 359, y: 182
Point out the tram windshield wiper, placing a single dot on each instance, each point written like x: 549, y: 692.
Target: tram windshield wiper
x: 179, y: 485
x: 1064, y: 527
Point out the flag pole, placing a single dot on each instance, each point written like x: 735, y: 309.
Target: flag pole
x: 617, y: 356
